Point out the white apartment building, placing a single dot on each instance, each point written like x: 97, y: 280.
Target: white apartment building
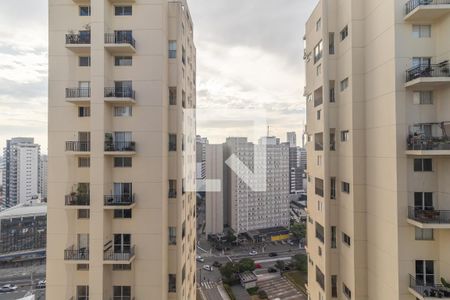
x: 251, y: 210
x: 43, y: 176
x: 121, y: 173
x: 201, y: 143
x: 377, y: 86
x: 20, y: 174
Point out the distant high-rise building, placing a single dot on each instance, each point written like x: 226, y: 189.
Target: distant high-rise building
x: 20, y: 171
x: 295, y: 171
x: 292, y: 139
x: 200, y: 148
x: 43, y: 170
x: 251, y: 210
x: 214, y: 214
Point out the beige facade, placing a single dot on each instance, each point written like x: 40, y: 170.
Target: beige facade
x: 377, y: 83
x: 121, y: 177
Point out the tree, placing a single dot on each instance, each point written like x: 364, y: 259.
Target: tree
x: 300, y: 262
x: 228, y: 270
x: 262, y: 294
x: 280, y: 265
x: 246, y: 264
x: 298, y: 230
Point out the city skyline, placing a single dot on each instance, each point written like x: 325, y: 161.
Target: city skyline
x: 221, y: 85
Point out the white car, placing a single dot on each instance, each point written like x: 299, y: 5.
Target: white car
x: 208, y: 268
x: 252, y: 253
x: 41, y: 284
x: 8, y: 288
x: 200, y: 259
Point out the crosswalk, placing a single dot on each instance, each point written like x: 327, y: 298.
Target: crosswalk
x: 207, y: 285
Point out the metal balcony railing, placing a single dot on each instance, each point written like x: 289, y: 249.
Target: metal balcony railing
x: 426, y: 70
x: 75, y: 199
x: 76, y: 254
x: 77, y: 146
x: 118, y: 200
x: 113, y: 92
x: 117, y: 38
x: 429, y: 215
x: 78, y: 92
x: 428, y: 290
x: 413, y: 4
x: 77, y: 39
x: 423, y: 143
x: 124, y: 255
x: 120, y: 146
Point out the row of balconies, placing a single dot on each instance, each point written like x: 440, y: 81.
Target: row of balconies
x: 114, y: 42
x: 110, y: 255
x: 109, y: 147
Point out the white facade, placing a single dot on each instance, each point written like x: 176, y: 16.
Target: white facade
x: 292, y: 139
x: 43, y: 170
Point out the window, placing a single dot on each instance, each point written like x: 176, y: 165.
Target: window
x: 345, y: 135
x: 122, y: 214
x: 346, y: 187
x: 122, y: 162
x: 318, y: 97
x: 319, y: 70
x: 85, y: 36
x: 172, y: 188
x: 183, y: 230
x: 425, y: 272
x: 122, y: 88
x: 333, y: 237
x: 423, y: 200
x: 82, y: 292
x: 346, y: 291
x: 84, y: 162
x: 123, y: 10
x: 318, y: 114
x: 332, y: 92
x: 123, y: 60
x: 183, y: 273
x: 121, y: 292
x: 332, y: 139
x: 333, y: 188
x: 421, y: 61
x: 123, y: 36
x: 318, y: 187
x: 344, y: 33
x: 183, y: 99
x: 320, y: 278
x: 346, y: 239
x: 172, y: 49
x: 344, y: 84
x: 423, y: 165
x: 83, y: 214
x: 172, y: 235
x: 423, y: 97
x: 334, y: 286
x: 318, y: 51
x: 318, y: 24
x: 172, y: 96
x: 318, y: 141
x: 331, y: 43
x: 121, y: 267
x: 172, y: 142
x: 319, y: 232
x: 82, y: 267
x: 122, y: 243
x: 424, y: 234
x: 85, y: 11
x: 421, y: 31
x: 183, y: 55
x: 84, y: 111
x: 123, y: 111
x: 172, y: 283
x: 84, y: 61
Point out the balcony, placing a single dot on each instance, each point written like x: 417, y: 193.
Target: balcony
x: 120, y: 148
x: 422, y: 290
x: 120, y: 95
x: 78, y: 43
x: 429, y: 218
x: 78, y: 148
x: 77, y: 201
x: 429, y: 139
x: 119, y: 201
x: 76, y: 255
x: 121, y: 1
x: 426, y: 10
x: 117, y: 43
x: 426, y: 77
x: 117, y: 257
x: 78, y: 95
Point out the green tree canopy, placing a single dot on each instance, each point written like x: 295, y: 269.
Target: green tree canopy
x: 246, y: 264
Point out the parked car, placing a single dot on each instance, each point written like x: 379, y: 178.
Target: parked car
x: 258, y: 266
x: 253, y: 252
x: 217, y: 264
x: 200, y: 259
x: 8, y: 288
x: 41, y: 284
x: 207, y: 268
x: 273, y: 254
x: 272, y: 270
x: 291, y: 243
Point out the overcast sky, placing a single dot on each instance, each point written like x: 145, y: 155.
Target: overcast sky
x: 249, y: 56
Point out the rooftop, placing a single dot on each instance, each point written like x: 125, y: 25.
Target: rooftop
x: 24, y: 210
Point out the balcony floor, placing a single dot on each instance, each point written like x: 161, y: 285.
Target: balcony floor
x: 428, y: 152
x: 419, y: 296
x: 423, y: 225
x: 427, y: 13
x: 124, y: 48
x: 427, y: 83
x: 79, y: 101
x: 112, y: 207
x: 120, y: 100
x: 79, y: 48
x: 119, y: 262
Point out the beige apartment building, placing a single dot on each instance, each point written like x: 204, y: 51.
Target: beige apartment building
x: 377, y: 88
x: 121, y: 177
